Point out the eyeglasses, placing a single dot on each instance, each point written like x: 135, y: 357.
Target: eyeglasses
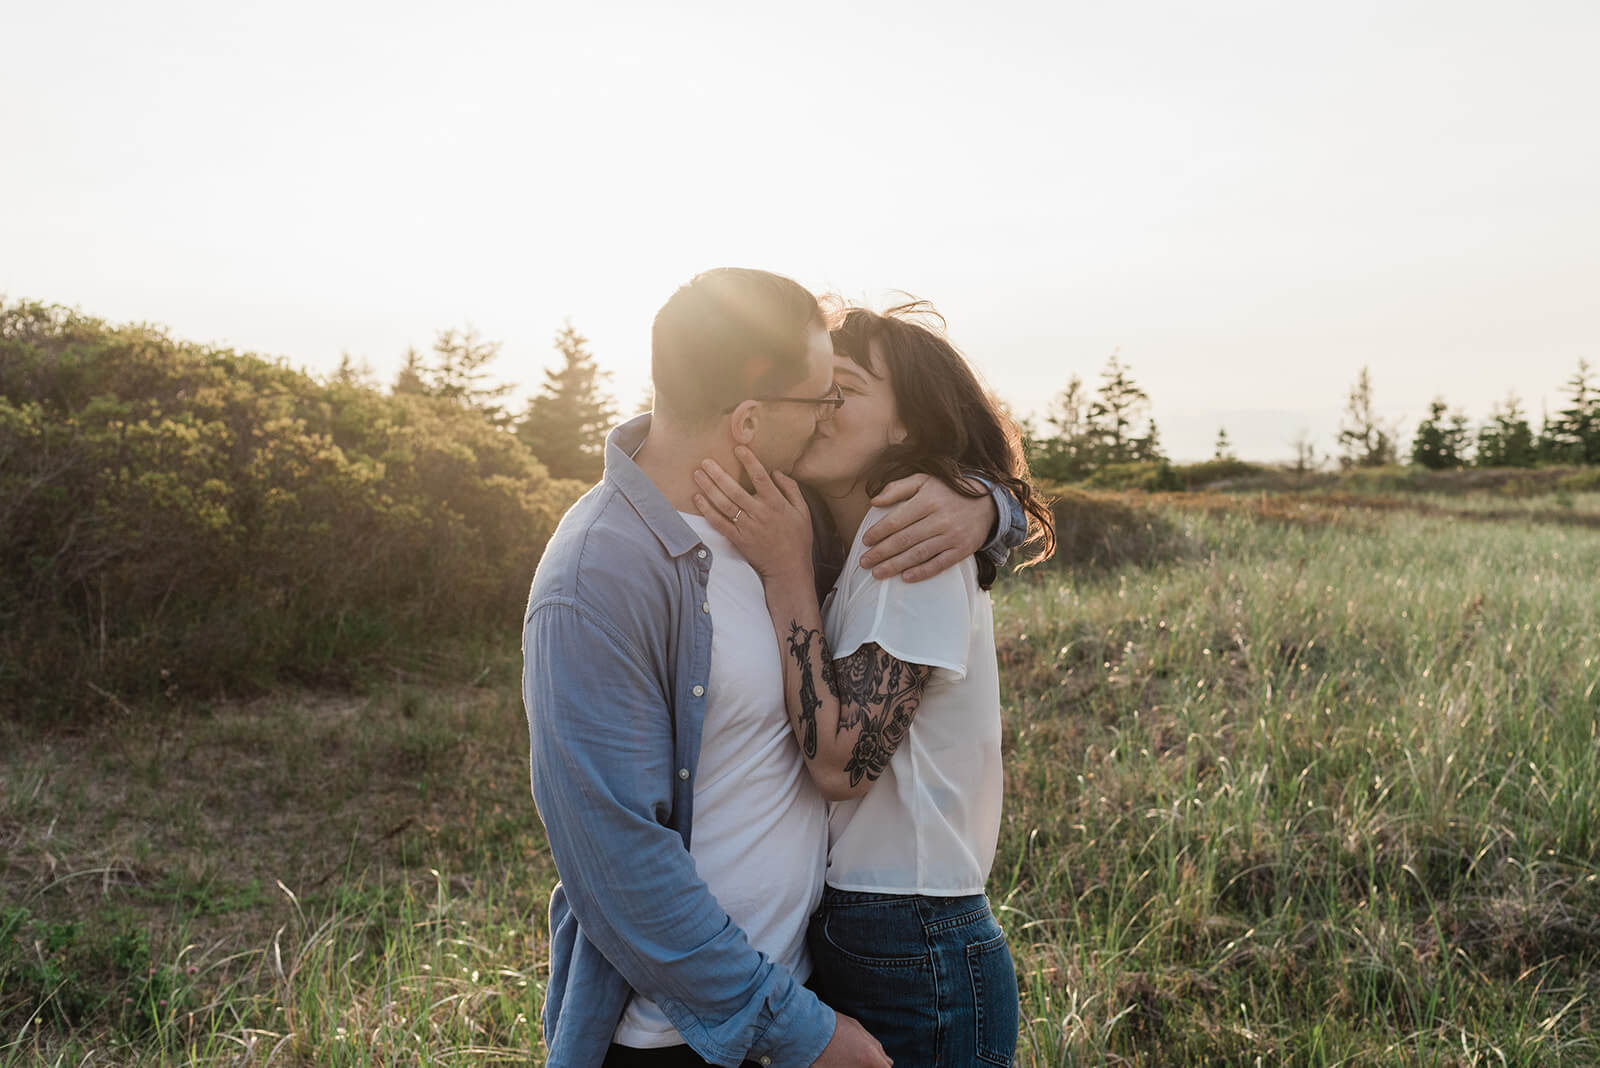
x: 827, y: 404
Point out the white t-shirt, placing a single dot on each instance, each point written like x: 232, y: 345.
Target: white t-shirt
x: 760, y: 824
x: 929, y: 824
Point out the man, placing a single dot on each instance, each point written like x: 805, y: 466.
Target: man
x: 690, y: 841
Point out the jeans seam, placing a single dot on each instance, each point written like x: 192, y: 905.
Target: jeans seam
x: 982, y: 1049
x: 939, y: 1014
x: 958, y: 921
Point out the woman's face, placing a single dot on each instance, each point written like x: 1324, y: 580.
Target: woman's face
x: 844, y: 447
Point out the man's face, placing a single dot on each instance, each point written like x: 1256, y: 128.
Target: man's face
x: 786, y: 428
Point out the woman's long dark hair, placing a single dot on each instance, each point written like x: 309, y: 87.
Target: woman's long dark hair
x: 953, y: 426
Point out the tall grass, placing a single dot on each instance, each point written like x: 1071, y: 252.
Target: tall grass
x: 1305, y: 793
x: 1331, y: 796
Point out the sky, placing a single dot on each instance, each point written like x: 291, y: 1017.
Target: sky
x: 1247, y: 202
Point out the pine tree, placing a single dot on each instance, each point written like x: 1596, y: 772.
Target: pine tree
x: 1067, y: 452
x: 457, y: 373
x: 353, y: 372
x: 409, y: 380
x: 1364, y: 439
x: 1458, y: 438
x: 1224, y: 447
x: 1115, y: 415
x: 566, y: 421
x: 1147, y: 447
x: 1574, y: 435
x: 1506, y: 440
x: 1439, y: 444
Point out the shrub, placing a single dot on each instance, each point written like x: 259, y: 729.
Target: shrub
x: 1208, y: 473
x: 1151, y: 476
x: 1102, y: 531
x: 180, y: 520
x: 1587, y: 481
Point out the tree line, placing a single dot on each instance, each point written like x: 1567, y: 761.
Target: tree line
x: 1085, y: 434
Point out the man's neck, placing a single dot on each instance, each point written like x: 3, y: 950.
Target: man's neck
x: 669, y: 457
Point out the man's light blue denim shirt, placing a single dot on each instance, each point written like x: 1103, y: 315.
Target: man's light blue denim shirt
x: 616, y: 656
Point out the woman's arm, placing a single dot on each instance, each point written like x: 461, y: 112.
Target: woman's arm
x: 849, y: 716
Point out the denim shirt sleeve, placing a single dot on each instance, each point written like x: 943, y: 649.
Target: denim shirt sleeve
x: 1011, y: 529
x: 601, y: 743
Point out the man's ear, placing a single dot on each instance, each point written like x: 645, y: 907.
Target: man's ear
x: 744, y: 421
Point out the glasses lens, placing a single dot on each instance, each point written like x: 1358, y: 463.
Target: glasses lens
x: 830, y: 404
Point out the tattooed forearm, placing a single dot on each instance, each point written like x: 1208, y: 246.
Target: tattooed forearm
x: 800, y: 639
x: 882, y: 695
x: 877, y: 697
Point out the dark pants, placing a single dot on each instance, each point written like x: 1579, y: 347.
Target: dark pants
x: 929, y: 977
x: 666, y: 1057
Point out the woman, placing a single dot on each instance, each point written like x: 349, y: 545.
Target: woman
x: 893, y: 695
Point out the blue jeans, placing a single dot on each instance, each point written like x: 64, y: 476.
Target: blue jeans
x: 930, y: 977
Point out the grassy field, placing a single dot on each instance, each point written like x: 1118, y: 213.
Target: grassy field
x: 1315, y: 785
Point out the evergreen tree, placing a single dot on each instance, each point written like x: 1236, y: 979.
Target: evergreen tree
x: 1574, y: 435
x: 567, y: 420
x: 1067, y: 452
x: 458, y: 374
x: 1147, y: 447
x: 1364, y: 439
x: 1506, y: 440
x: 1115, y: 415
x: 1440, y: 444
x: 409, y: 380
x: 1458, y: 438
x: 352, y: 372
x: 1224, y: 447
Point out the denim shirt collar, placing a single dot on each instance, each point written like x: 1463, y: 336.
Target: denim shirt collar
x: 675, y: 536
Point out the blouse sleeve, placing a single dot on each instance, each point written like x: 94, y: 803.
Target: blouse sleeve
x: 927, y: 622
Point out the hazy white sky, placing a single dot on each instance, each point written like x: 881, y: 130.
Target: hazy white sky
x: 1249, y: 200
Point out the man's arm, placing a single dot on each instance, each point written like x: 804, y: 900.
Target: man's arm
x: 934, y: 527
x: 601, y: 747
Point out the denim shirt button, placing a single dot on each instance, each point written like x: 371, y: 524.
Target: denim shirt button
x: 683, y: 773
x: 705, y: 606
x: 701, y: 554
x: 766, y: 1060
x: 699, y: 691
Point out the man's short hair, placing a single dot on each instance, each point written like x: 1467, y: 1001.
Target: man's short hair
x: 730, y: 334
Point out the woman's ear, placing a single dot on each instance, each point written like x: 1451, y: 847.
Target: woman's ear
x: 744, y: 421
x: 898, y: 432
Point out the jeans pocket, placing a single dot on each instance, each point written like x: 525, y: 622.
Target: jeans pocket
x: 875, y: 936
x: 994, y: 996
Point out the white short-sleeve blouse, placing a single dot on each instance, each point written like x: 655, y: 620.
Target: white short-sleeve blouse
x: 929, y: 824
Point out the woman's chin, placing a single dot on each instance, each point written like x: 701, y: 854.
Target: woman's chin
x: 804, y: 470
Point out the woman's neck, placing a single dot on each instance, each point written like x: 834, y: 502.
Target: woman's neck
x: 848, y: 510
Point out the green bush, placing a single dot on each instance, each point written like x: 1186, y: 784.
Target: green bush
x: 1102, y: 531
x: 1586, y: 481
x: 180, y: 520
x: 1152, y: 476
x: 1209, y: 472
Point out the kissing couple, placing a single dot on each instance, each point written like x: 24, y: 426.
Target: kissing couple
x: 763, y: 699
